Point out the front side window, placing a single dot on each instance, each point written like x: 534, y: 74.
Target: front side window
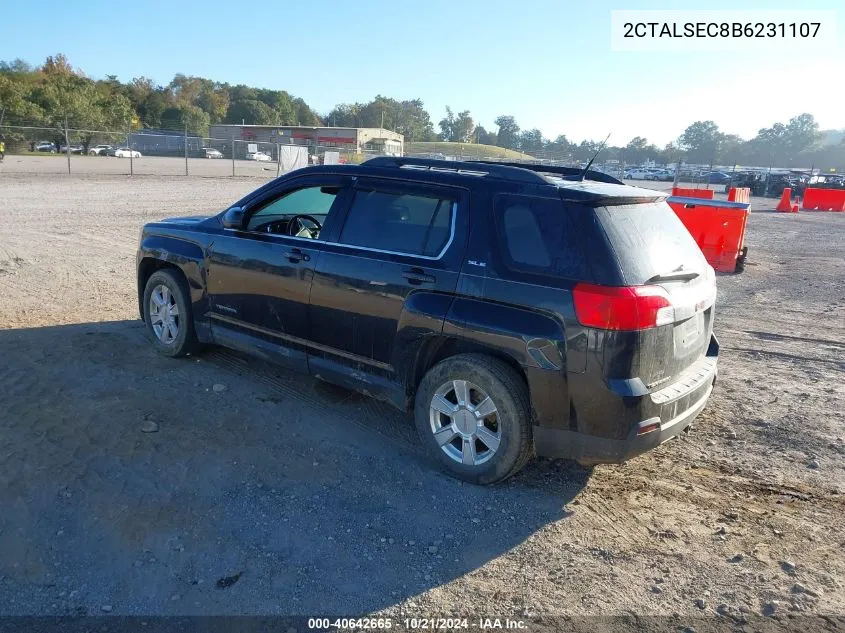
x: 275, y: 216
x: 399, y: 222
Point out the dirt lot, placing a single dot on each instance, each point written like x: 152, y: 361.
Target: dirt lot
x: 319, y: 498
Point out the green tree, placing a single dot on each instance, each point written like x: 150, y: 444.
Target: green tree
x: 457, y: 128
x: 637, y: 151
x: 67, y: 98
x: 252, y: 112
x: 733, y: 150
x: 585, y: 150
x: 801, y: 133
x: 508, y: 134
x: 560, y: 148
x: 304, y: 114
x: 197, y: 119
x: 483, y: 137
x: 532, y: 141
x: 15, y: 103
x: 447, y: 125
x: 702, y: 142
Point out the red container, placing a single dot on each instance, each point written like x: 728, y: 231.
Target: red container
x: 706, y: 194
x: 718, y: 228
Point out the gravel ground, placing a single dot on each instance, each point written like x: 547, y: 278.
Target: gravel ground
x: 132, y: 484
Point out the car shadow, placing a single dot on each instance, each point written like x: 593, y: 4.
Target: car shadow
x: 219, y: 484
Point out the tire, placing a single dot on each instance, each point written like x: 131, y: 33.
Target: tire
x: 510, y: 423
x: 185, y: 341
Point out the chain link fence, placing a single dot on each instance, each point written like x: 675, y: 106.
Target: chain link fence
x: 162, y: 152
x: 37, y: 149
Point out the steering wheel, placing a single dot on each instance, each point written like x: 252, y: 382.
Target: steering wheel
x: 298, y: 218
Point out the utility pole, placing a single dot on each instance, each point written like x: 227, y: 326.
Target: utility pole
x: 67, y: 145
x: 186, y: 147
x: 278, y: 159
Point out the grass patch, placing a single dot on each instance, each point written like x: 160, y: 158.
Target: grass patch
x: 465, y: 150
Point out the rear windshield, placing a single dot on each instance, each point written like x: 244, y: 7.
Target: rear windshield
x: 648, y: 240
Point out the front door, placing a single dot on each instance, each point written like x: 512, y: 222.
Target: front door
x: 397, y: 256
x: 259, y: 276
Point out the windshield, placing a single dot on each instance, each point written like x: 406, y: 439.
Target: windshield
x: 649, y: 240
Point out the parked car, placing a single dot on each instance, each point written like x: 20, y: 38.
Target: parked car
x: 716, y: 178
x: 662, y: 175
x: 74, y: 149
x: 210, y: 152
x: 46, y: 146
x: 638, y: 173
x: 100, y: 150
x: 260, y: 156
x: 568, y: 318
x: 125, y: 152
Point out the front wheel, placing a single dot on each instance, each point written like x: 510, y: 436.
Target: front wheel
x: 473, y: 415
x: 167, y: 314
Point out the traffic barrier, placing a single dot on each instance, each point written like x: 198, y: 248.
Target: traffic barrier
x: 823, y: 199
x: 718, y: 228
x: 739, y: 194
x: 785, y: 204
x: 706, y: 194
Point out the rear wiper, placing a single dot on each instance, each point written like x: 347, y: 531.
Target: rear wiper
x: 675, y: 275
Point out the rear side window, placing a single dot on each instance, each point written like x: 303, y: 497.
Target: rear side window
x: 648, y: 240
x: 398, y: 222
x: 540, y: 236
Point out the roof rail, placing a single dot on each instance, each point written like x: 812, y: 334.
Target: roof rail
x: 562, y: 171
x: 504, y: 171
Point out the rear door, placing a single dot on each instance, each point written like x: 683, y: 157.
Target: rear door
x: 397, y: 257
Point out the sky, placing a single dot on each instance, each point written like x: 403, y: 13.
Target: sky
x: 546, y: 62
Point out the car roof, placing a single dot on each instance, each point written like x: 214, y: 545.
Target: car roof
x: 596, y: 188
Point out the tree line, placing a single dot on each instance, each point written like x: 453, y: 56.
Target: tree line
x: 55, y: 93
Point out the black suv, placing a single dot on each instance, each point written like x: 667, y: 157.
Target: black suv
x: 512, y: 308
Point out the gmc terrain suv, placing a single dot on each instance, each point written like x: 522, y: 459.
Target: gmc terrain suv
x: 514, y: 309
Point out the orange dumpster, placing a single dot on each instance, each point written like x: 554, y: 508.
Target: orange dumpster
x: 718, y: 228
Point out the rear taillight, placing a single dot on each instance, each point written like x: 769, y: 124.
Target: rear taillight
x: 622, y: 308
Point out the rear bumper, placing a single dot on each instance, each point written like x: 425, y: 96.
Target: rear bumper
x: 683, y: 401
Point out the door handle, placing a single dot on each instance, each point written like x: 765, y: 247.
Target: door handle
x: 295, y: 255
x: 417, y: 276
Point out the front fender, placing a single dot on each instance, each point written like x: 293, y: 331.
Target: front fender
x: 160, y: 251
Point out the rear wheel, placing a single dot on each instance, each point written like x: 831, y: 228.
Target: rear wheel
x: 167, y: 313
x: 473, y: 416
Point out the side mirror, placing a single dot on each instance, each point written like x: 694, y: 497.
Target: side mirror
x: 233, y: 218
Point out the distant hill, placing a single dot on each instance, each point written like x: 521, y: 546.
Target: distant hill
x: 465, y: 150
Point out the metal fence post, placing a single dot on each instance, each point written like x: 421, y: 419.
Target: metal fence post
x: 67, y: 145
x: 129, y: 145
x: 278, y: 159
x: 186, y: 147
x: 233, y: 155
